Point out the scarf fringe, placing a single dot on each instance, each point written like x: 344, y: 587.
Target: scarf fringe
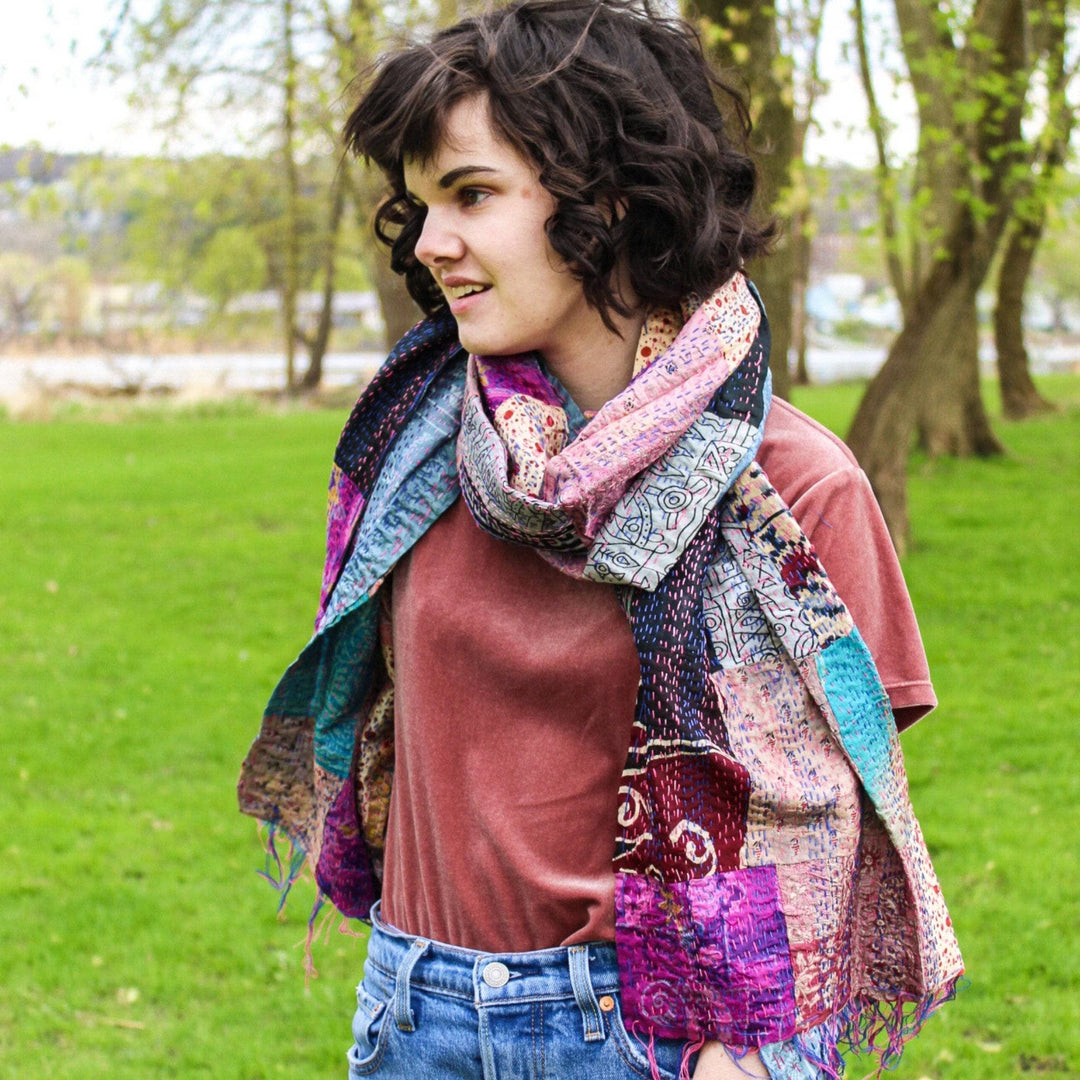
x: 875, y: 1029
x: 689, y: 1050
x: 871, y: 1028
x: 316, y: 929
x: 281, y: 875
x: 319, y: 930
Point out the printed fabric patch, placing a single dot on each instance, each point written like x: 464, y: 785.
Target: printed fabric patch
x: 705, y: 958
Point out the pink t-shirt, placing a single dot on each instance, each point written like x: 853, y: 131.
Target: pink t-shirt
x: 515, y: 688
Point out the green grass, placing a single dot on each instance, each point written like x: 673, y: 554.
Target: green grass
x: 160, y: 573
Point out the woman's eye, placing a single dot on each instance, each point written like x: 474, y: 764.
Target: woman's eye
x: 473, y: 196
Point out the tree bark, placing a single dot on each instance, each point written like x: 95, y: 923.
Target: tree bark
x: 1019, y: 396
x: 928, y: 387
x: 291, y: 285
x: 399, y: 310
x: 800, y: 261
x: 773, y: 278
x: 774, y: 275
x: 319, y: 341
x: 752, y: 31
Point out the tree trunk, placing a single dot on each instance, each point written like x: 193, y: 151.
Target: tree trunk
x: 1019, y: 396
x: 320, y: 340
x: 291, y: 284
x: 774, y: 275
x: 399, y: 310
x: 928, y: 386
x: 752, y: 30
x: 799, y: 284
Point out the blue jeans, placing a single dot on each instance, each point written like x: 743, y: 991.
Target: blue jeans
x: 429, y: 1011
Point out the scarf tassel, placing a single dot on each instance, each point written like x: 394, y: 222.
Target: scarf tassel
x: 318, y: 930
x: 876, y: 1029
x: 282, y: 875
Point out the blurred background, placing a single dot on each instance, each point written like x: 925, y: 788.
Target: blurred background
x: 190, y: 300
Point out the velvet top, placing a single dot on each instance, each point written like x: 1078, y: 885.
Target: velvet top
x: 515, y: 691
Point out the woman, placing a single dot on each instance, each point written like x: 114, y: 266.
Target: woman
x: 570, y: 593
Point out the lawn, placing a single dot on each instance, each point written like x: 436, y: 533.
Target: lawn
x: 161, y: 572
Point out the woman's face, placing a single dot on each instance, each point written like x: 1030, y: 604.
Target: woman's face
x: 484, y: 242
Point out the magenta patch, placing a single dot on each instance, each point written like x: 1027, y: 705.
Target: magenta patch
x: 504, y: 376
x: 706, y: 958
x: 344, y: 872
x: 344, y: 505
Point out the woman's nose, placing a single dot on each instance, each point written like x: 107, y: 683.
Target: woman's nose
x: 439, y: 243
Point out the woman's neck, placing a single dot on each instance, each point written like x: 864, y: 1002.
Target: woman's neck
x: 601, y: 363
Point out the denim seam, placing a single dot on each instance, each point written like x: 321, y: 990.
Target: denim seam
x: 543, y: 1045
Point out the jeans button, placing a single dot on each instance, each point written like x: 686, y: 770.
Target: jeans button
x: 496, y: 974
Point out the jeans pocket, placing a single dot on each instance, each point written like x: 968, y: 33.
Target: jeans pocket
x: 634, y: 1050
x: 370, y: 1027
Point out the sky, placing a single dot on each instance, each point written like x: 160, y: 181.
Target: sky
x: 50, y: 97
x: 47, y: 94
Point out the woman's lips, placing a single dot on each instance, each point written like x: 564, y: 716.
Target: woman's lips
x: 463, y: 304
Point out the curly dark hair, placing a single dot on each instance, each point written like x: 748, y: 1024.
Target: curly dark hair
x: 624, y: 120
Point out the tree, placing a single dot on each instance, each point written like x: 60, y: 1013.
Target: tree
x: 1057, y: 269
x: 1019, y: 396
x: 970, y: 74
x: 800, y: 36
x: 773, y: 49
x: 69, y: 287
x: 232, y: 263
x: 23, y: 283
x: 745, y: 39
x: 354, y: 41
x: 276, y: 61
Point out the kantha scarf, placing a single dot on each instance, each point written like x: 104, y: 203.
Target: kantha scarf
x: 772, y: 883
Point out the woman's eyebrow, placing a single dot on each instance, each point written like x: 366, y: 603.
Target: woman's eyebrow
x: 448, y: 180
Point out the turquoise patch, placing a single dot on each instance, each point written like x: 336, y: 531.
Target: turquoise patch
x: 861, y: 708
x: 347, y: 650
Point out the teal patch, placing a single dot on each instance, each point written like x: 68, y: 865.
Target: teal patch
x: 861, y: 707
x: 344, y: 653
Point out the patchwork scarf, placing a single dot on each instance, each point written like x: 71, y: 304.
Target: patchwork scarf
x: 772, y: 885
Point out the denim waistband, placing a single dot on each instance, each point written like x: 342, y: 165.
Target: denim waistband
x: 578, y: 972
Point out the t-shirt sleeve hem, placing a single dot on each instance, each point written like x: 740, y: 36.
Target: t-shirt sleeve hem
x: 910, y: 702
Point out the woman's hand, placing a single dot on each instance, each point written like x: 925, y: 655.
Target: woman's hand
x: 716, y: 1063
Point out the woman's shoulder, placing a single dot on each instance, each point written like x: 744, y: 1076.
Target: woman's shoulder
x: 797, y: 452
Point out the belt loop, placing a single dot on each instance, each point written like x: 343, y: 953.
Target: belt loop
x: 584, y: 994
x: 403, y: 1014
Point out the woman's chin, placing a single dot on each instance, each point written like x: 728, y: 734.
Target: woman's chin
x: 487, y: 346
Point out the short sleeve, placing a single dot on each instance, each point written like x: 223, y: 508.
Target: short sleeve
x: 841, y: 517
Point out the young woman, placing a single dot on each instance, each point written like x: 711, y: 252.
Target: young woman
x: 648, y: 814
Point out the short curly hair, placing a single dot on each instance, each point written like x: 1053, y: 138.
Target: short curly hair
x: 617, y: 107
